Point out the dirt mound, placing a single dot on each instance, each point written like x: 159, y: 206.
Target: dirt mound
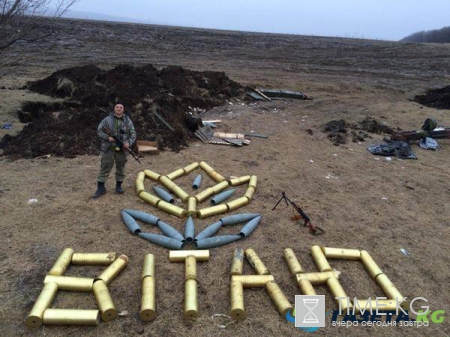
x: 435, y: 98
x: 69, y: 129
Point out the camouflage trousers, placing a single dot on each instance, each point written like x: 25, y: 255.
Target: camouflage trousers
x: 107, y: 162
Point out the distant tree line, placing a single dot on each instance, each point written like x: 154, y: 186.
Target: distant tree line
x: 436, y: 36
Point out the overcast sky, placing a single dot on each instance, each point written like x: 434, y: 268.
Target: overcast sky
x: 374, y: 19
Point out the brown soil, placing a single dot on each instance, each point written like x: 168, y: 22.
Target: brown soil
x: 435, y: 98
x: 362, y: 201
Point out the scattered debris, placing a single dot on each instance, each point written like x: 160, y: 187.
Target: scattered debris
x: 284, y: 94
x: 371, y: 125
x: 32, y: 201
x: 404, y: 251
x: 428, y: 143
x: 7, y: 126
x: 397, y: 148
x: 147, y: 147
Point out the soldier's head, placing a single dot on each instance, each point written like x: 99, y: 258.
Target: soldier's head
x: 118, y: 109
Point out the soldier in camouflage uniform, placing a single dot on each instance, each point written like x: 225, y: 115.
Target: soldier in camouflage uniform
x: 120, y: 125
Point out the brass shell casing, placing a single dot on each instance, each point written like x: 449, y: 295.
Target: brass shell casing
x: 205, y: 194
x: 176, y: 174
x: 337, y: 291
x: 320, y: 259
x: 105, y: 303
x: 71, y: 317
x: 192, y: 207
x: 249, y: 192
x: 278, y: 298
x: 253, y: 281
x: 256, y: 262
x: 191, y: 167
x: 191, y: 268
x: 292, y: 262
x: 211, y: 172
x: 190, y: 300
x: 253, y: 181
x: 213, y: 210
x: 93, y: 259
x: 43, y: 302
x: 388, y: 287
x: 317, y: 278
x: 237, y: 203
x: 239, y: 181
x: 152, y: 175
x: 237, y: 265
x: 148, y: 300
x: 62, y: 263
x: 151, y: 199
x: 370, y: 265
x: 113, y: 270
x: 306, y: 287
x: 237, y: 301
x: 341, y: 253
x: 220, y: 187
x: 140, y: 183
x: 149, y: 266
x: 71, y: 283
x: 180, y: 193
x: 167, y: 183
x: 171, y: 209
x: 181, y: 255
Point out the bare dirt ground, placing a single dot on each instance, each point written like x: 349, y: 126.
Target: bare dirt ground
x: 369, y: 203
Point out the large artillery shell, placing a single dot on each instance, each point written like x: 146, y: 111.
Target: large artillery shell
x: 249, y: 192
x: 63, y: 262
x: 237, y: 264
x: 71, y: 283
x: 317, y: 278
x: 113, y: 270
x: 278, y: 298
x: 148, y: 300
x: 45, y: 299
x: 237, y: 203
x: 162, y: 240
x: 190, y: 168
x: 131, y: 224
x: 190, y: 300
x: 341, y: 253
x: 105, y: 303
x: 210, y: 211
x: 197, y: 182
x: 142, y: 216
x: 237, y: 301
x: 220, y: 187
x: 250, y: 227
x: 164, y: 195
x: 140, y: 183
x: 306, y: 287
x: 256, y: 262
x: 192, y: 207
x: 337, y: 291
x: 216, y: 241
x: 151, y: 199
x: 211, y: 172
x: 320, y: 259
x: 205, y: 194
x: 370, y: 265
x: 71, y: 317
x: 170, y: 231
x: 93, y: 259
x: 252, y: 281
x: 222, y: 197
x: 180, y: 193
x: 209, y: 231
x: 149, y: 266
x: 293, y: 264
x: 239, y: 181
x: 238, y: 218
x: 152, y: 175
x: 388, y: 287
x: 253, y: 181
x: 191, y: 268
x: 180, y: 256
x: 176, y: 174
x: 189, y: 231
x: 171, y: 209
x: 167, y: 183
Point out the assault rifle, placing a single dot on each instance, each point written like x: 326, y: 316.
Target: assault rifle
x: 119, y: 143
x: 418, y: 135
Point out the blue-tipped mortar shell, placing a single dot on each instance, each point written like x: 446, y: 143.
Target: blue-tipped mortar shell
x: 142, y: 216
x: 129, y: 221
x: 250, y: 227
x: 216, y: 241
x: 189, y: 231
x: 197, y: 182
x: 170, y: 231
x: 162, y: 240
x: 163, y: 194
x: 209, y: 231
x: 222, y: 196
x: 238, y: 218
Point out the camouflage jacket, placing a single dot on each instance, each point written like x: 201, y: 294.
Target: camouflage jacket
x: 123, y: 128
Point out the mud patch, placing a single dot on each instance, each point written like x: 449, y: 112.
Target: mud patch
x: 435, y: 98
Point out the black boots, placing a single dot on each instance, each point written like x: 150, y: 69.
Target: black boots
x: 119, y: 189
x: 100, y: 190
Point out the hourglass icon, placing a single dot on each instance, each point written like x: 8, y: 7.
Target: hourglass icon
x: 310, y: 304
